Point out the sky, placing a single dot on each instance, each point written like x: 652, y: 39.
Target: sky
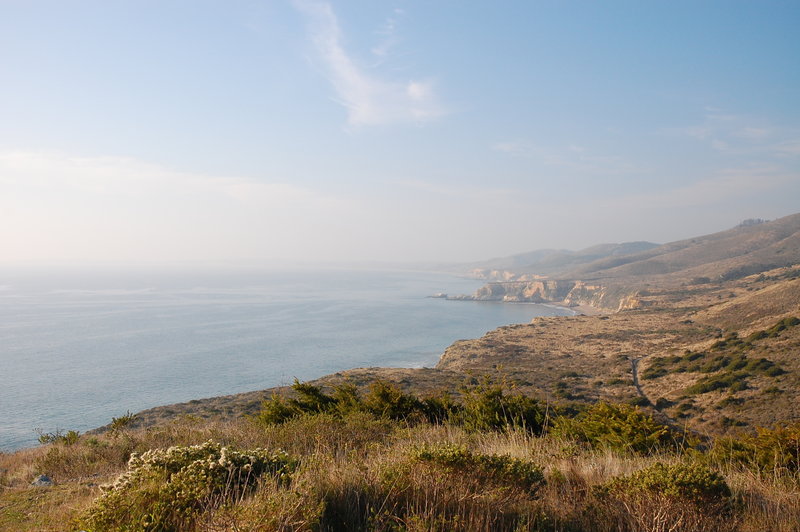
x: 257, y: 131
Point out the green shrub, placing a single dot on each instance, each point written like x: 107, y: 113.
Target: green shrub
x: 495, y: 469
x: 166, y: 489
x: 70, y: 437
x: 619, y: 427
x: 487, y: 406
x: 639, y: 401
x: 732, y: 381
x: 775, y: 450
x: 387, y: 400
x: 663, y: 402
x: 690, y: 482
x: 782, y: 325
x: 276, y: 410
x: 384, y: 399
x: 122, y: 422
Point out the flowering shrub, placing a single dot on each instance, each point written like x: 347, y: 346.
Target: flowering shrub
x: 165, y: 489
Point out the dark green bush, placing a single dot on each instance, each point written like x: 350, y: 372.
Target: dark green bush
x: 769, y: 450
x: 782, y: 325
x: 689, y: 482
x: 384, y: 399
x: 388, y: 401
x: 502, y: 469
x: 619, y: 427
x: 732, y: 381
x: 70, y: 437
x: 486, y: 406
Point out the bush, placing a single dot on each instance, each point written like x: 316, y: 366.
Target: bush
x: 384, y: 399
x: 619, y: 427
x: 486, y: 407
x: 660, y: 497
x: 70, y: 437
x: 496, y: 469
x: 166, y: 489
x: 689, y: 482
x: 122, y: 422
x: 388, y: 401
x: 447, y: 487
x: 309, y: 399
x: 733, y: 381
x: 775, y: 450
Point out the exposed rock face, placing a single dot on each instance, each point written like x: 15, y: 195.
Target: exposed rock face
x: 570, y: 293
x: 533, y: 291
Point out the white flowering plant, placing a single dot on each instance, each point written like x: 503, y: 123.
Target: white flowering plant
x: 166, y: 489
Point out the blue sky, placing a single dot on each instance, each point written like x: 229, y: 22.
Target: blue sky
x: 407, y: 130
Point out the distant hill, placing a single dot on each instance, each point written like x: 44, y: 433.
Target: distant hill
x: 751, y: 247
x: 619, y: 276
x: 546, y: 261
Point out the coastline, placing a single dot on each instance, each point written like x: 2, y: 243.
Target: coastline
x: 415, y: 333
x: 248, y: 403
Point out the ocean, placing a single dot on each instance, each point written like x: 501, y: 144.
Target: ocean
x: 78, y: 348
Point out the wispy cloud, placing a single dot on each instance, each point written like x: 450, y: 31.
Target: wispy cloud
x: 789, y: 147
x: 369, y: 99
x: 388, y: 36
x: 738, y: 133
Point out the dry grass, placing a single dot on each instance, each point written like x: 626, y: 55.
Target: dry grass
x: 357, y: 474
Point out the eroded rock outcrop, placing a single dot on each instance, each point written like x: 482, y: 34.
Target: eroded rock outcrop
x: 562, y: 292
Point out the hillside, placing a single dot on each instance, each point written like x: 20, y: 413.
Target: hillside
x: 725, y: 255
x: 617, y: 282
x: 548, y: 261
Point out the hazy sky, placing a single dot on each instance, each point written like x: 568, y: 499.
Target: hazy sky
x: 377, y: 130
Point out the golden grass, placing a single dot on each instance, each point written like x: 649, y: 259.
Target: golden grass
x: 356, y: 474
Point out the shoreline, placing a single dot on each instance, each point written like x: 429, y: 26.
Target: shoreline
x: 224, y: 404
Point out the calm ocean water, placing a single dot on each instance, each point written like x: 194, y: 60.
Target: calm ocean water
x: 79, y: 348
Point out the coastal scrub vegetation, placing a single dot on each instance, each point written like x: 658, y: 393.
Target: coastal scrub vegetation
x: 483, y: 406
x: 725, y: 364
x: 336, y: 459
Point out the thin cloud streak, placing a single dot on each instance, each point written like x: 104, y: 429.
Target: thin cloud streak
x: 369, y: 100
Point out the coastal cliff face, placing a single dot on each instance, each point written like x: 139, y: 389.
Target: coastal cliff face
x: 533, y: 291
x: 569, y: 293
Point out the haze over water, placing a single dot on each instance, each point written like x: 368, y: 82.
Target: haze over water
x: 79, y: 348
